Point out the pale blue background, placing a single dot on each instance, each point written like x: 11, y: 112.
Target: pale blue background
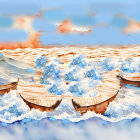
x: 104, y: 12
x: 79, y: 12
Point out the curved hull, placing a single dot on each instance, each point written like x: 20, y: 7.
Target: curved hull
x: 131, y: 80
x: 40, y: 107
x: 97, y: 108
x: 6, y: 88
x: 36, y: 96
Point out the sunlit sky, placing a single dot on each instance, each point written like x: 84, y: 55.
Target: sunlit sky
x: 106, y: 18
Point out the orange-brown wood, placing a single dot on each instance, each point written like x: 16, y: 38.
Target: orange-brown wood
x: 41, y: 108
x: 6, y: 88
x: 123, y: 80
x: 97, y: 108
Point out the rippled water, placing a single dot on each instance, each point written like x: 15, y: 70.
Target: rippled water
x: 12, y: 107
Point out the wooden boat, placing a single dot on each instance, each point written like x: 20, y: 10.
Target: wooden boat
x: 6, y: 88
x: 107, y: 92
x: 42, y: 104
x: 131, y: 78
x: 97, y: 108
x: 36, y: 96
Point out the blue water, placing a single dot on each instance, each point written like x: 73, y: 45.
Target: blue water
x: 13, y: 108
x: 90, y: 129
x: 120, y: 121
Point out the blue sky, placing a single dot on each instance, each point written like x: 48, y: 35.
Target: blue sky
x: 81, y: 13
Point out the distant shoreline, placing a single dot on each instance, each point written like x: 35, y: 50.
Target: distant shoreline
x: 22, y: 45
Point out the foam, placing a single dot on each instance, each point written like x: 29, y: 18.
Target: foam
x: 125, y: 106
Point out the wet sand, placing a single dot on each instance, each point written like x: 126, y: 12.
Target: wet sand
x: 66, y: 54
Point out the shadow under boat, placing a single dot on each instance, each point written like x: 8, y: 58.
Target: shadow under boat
x: 7, y: 88
x: 41, y: 107
x: 98, y: 104
x: 101, y: 107
x: 133, y: 79
x: 97, y: 108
